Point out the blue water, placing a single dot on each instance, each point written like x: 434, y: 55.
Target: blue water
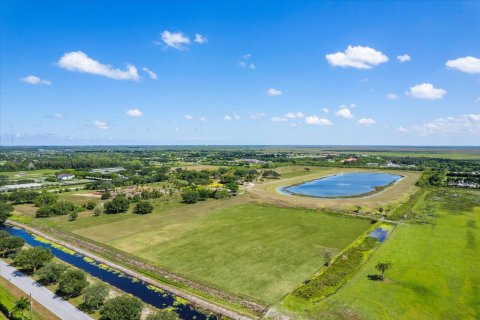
x: 121, y: 281
x: 379, y: 234
x: 342, y: 185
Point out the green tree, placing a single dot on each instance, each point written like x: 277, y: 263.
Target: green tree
x: 45, y: 199
x: 143, y: 207
x: 105, y: 195
x: 73, y: 215
x: 90, y: 205
x: 21, y: 305
x: 5, y: 211
x: 51, y: 272
x: 94, y: 296
x: 203, y: 193
x: 71, y: 283
x: 232, y: 186
x: 163, y: 314
x: 122, y: 308
x: 382, y: 267
x: 32, y: 259
x: 190, y: 196
x: 119, y: 204
x: 10, y: 244
x: 4, y: 234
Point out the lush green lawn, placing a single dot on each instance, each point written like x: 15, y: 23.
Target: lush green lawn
x: 246, y: 248
x: 436, y: 268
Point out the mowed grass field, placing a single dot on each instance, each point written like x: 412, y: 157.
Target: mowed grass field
x: 436, y: 268
x: 246, y: 248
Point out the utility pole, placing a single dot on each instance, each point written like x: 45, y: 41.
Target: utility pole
x: 31, y: 306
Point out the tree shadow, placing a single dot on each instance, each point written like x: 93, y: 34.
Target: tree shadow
x: 374, y: 277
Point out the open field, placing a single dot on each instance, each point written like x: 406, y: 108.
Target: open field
x: 9, y: 293
x: 392, y: 195
x: 435, y: 272
x: 257, y: 250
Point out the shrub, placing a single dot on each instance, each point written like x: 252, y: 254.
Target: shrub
x: 190, y: 196
x: 90, y: 205
x: 143, y: 207
x: 119, y: 204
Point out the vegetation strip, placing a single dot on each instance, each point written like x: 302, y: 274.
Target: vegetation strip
x: 192, y: 299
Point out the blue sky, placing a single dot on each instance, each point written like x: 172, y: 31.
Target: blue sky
x: 246, y: 72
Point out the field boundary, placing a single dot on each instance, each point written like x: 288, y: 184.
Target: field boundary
x: 195, y: 300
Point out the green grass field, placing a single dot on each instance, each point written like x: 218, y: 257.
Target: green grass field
x: 435, y: 274
x: 257, y: 250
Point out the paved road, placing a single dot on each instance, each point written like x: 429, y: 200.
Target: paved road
x: 42, y: 295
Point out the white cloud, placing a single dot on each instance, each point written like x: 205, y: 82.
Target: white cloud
x: 35, y: 80
x: 203, y: 119
x: 236, y: 116
x: 352, y: 105
x: 402, y: 129
x: 460, y: 124
x: 357, y: 57
x: 200, y: 39
x: 426, y: 91
x: 151, y: 74
x: 364, y: 80
x: 273, y: 92
x: 247, y: 56
x: 100, y: 125
x: 465, y: 64
x: 294, y: 115
x: 79, y: 61
x: 188, y: 117
x: 176, y: 40
x: 314, y: 120
x: 326, y: 110
x: 392, y: 96
x: 344, y: 113
x: 404, y: 58
x: 279, y: 119
x: 227, y: 118
x: 366, y: 122
x: 257, y: 115
x: 134, y: 113
x: 246, y: 65
x: 58, y: 115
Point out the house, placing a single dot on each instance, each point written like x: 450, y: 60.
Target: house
x: 65, y: 176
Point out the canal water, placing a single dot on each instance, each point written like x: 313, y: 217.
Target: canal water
x: 148, y: 294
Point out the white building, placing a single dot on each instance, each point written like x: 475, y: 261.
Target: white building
x: 65, y: 176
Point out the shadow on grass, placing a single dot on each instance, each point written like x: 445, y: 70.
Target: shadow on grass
x: 375, y: 277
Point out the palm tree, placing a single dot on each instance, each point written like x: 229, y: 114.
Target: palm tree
x: 21, y: 305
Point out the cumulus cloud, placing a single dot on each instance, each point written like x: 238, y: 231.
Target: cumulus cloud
x: 344, y: 112
x: 294, y: 115
x: 325, y: 110
x: 426, y: 91
x: 35, y: 80
x: 150, y: 73
x: 227, y: 118
x: 366, y: 122
x: 257, y: 115
x: 176, y: 40
x: 58, y: 115
x: 100, y: 125
x: 279, y: 119
x: 134, y: 113
x: 357, y: 57
x: 404, y: 58
x: 188, y: 117
x: 200, y: 39
x: 392, y: 96
x: 246, y: 65
x: 314, y: 120
x: 460, y: 124
x: 272, y: 92
x: 465, y: 64
x: 80, y: 62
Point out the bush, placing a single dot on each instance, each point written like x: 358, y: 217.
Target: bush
x: 164, y: 314
x: 98, y: 210
x: 58, y: 209
x: 51, y: 272
x: 143, y: 207
x: 119, y: 204
x: 90, y: 205
x: 190, y: 196
x: 45, y: 199
x: 122, y: 308
x: 71, y: 283
x: 105, y: 195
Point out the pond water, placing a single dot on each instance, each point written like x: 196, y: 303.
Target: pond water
x: 342, y: 185
x: 139, y: 289
x: 379, y: 234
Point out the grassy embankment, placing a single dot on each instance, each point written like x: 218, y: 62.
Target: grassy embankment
x: 435, y: 273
